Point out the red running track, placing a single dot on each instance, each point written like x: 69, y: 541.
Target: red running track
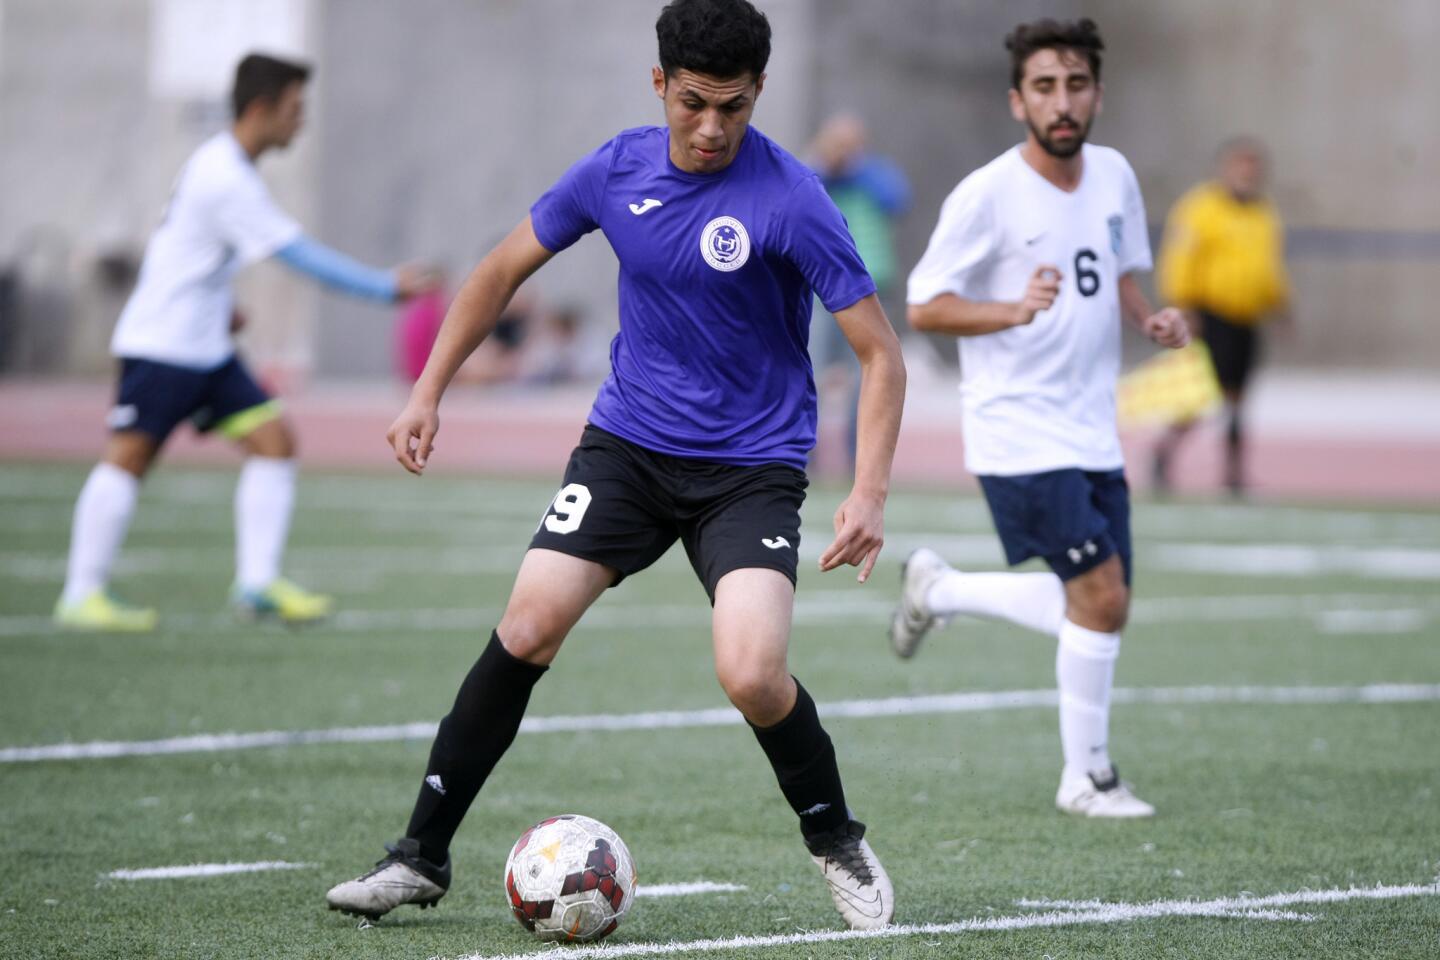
x: 530, y: 433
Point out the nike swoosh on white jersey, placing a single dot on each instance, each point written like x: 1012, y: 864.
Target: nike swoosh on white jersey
x: 649, y: 203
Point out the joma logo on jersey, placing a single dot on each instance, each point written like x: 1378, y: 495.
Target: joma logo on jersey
x: 724, y: 244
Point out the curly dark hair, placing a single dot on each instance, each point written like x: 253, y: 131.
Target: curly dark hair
x: 720, y: 38
x: 1081, y: 36
x: 259, y: 77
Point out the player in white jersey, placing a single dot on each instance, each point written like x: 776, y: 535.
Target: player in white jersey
x: 177, y: 358
x: 1032, y: 265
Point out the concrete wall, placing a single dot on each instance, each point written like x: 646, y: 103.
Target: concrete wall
x: 440, y: 128
x: 435, y: 124
x: 87, y: 157
x: 1344, y: 96
x: 928, y: 77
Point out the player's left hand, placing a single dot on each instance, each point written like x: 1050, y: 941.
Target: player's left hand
x: 859, y: 535
x: 1168, y: 328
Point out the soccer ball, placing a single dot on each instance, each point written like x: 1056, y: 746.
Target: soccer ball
x: 570, y: 878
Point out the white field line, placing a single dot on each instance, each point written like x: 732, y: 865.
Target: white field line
x: 727, y: 716
x: 1294, y: 560
x: 204, y: 870
x: 43, y: 567
x: 1370, y: 622
x: 1250, y: 560
x: 1332, y: 613
x: 503, y: 499
x: 486, y: 498
x: 222, y: 869
x: 686, y: 889
x: 180, y: 518
x: 1279, y: 606
x: 1244, y: 907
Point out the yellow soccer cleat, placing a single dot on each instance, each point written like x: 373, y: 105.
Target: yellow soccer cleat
x: 100, y: 612
x: 283, y: 601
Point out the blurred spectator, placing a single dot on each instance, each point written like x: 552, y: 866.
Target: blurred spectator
x: 872, y: 193
x: 554, y: 352
x: 415, y: 330
x: 1223, y: 262
x: 497, y: 359
x: 531, y: 344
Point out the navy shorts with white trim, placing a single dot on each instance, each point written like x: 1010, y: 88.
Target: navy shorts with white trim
x: 1074, y: 519
x: 154, y: 397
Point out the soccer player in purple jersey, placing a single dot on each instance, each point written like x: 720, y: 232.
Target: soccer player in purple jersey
x: 700, y: 435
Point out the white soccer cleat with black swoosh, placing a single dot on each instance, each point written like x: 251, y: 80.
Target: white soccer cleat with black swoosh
x: 858, y: 883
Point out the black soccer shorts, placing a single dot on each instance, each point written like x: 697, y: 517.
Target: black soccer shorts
x: 1234, y: 349
x: 624, y: 506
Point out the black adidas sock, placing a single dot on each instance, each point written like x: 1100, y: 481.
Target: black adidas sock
x: 804, y: 760
x: 472, y: 738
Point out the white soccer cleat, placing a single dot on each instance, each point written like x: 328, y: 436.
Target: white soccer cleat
x: 858, y: 883
x: 402, y: 877
x: 1101, y: 796
x: 913, y: 617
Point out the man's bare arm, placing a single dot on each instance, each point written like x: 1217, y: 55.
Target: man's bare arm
x: 958, y: 317
x: 1167, y: 327
x: 859, y: 523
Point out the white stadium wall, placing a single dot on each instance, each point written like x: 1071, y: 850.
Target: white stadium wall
x: 431, y: 131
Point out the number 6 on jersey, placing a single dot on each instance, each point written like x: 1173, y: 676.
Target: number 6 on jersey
x: 568, y: 508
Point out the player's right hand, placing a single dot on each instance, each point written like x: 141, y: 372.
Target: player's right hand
x: 412, y: 435
x: 1040, y: 293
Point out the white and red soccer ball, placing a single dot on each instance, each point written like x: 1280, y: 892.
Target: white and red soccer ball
x: 570, y: 878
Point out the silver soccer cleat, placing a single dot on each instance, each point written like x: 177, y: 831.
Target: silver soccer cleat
x: 402, y: 877
x: 1100, y: 796
x: 913, y: 618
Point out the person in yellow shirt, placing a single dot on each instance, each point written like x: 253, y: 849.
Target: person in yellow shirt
x: 1223, y: 261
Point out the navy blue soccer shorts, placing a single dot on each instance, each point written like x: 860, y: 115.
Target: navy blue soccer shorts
x: 1073, y: 519
x: 153, y: 398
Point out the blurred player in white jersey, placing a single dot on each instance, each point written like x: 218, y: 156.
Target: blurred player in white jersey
x: 1032, y: 265
x: 174, y: 341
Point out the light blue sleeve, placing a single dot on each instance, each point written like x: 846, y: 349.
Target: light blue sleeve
x: 337, y: 271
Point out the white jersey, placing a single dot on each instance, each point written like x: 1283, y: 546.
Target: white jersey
x: 220, y: 218
x: 1039, y: 397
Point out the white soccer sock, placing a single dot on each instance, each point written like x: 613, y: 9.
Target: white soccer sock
x: 1084, y: 670
x: 1033, y: 600
x: 102, y: 516
x: 264, y: 499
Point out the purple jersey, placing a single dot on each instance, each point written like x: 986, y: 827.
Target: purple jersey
x: 716, y: 276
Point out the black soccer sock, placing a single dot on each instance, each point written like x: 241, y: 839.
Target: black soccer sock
x: 804, y: 760
x: 471, y: 740
x: 1234, y: 451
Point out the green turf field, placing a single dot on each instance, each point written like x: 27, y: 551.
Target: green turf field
x: 1254, y: 721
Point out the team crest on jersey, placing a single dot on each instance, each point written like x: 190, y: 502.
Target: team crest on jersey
x: 724, y: 244
x: 1117, y: 236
